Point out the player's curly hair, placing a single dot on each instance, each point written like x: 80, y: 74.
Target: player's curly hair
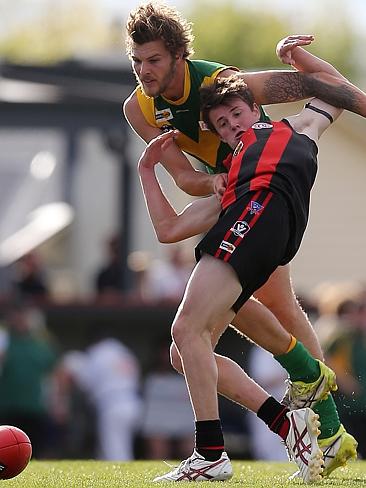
x: 155, y: 21
x: 220, y: 92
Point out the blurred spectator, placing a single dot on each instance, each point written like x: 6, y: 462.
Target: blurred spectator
x: 30, y: 281
x: 309, y: 306
x: 74, y: 414
x: 167, y: 279
x: 138, y: 263
x: 27, y: 358
x: 271, y: 376
x: 110, y: 375
x: 346, y: 354
x: 167, y: 421
x: 108, y: 280
x: 329, y: 296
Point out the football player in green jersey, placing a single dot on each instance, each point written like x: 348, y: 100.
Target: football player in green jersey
x: 159, y: 46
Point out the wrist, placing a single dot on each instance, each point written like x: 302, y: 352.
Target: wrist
x: 213, y: 180
x: 145, y: 170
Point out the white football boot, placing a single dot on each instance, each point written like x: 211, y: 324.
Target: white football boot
x: 196, y: 468
x: 337, y: 451
x: 302, y: 445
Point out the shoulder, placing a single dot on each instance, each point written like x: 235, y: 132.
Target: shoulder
x: 205, y: 67
x: 130, y: 103
x: 139, y: 112
x: 210, y: 69
x: 138, y: 101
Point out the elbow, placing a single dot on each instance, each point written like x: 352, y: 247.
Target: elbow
x: 166, y: 234
x: 166, y: 238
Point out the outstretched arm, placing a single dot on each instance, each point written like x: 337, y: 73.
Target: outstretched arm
x: 312, y: 120
x: 291, y: 86
x: 197, y: 217
x: 322, y: 81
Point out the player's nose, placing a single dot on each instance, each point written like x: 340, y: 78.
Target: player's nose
x: 144, y: 69
x: 234, y: 125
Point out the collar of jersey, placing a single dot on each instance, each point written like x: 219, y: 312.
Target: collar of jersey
x: 187, y: 88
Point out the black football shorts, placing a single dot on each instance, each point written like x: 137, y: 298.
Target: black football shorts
x: 254, y: 235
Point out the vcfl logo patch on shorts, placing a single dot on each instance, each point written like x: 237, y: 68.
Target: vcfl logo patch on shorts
x: 227, y: 246
x: 240, y: 228
x: 254, y: 207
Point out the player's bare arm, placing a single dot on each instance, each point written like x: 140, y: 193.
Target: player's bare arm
x: 313, y: 119
x: 317, y: 116
x: 169, y: 226
x: 278, y: 86
x: 187, y: 178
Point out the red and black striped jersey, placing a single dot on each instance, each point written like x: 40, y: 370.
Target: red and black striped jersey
x: 275, y: 157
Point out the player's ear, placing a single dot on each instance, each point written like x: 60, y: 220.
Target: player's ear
x: 179, y: 54
x: 256, y: 110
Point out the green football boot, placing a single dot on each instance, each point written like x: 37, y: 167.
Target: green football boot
x: 337, y: 450
x: 305, y: 395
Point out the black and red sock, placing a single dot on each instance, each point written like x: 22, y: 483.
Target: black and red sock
x: 273, y: 414
x: 209, y: 439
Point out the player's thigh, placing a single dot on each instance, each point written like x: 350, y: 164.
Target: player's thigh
x: 211, y: 291
x: 277, y: 291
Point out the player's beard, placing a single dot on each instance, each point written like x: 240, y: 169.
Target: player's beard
x: 163, y: 84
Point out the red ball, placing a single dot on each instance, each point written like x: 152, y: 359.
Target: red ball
x: 15, y: 451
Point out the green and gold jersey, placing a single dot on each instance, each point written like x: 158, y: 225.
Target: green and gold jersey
x: 184, y: 115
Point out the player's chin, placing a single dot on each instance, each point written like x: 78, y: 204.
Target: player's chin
x: 150, y: 91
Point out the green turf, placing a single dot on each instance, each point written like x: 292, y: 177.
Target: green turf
x: 138, y: 474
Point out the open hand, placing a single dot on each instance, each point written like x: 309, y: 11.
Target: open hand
x: 153, y: 152
x: 286, y: 45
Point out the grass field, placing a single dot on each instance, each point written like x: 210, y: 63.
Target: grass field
x: 138, y: 474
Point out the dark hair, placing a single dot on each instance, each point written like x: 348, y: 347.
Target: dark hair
x: 156, y: 21
x: 221, y: 92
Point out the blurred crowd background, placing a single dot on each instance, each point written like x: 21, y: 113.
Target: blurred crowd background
x: 87, y: 295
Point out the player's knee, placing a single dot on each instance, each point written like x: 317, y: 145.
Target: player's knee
x: 175, y: 359
x: 182, y: 330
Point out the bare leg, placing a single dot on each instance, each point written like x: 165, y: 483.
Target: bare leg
x: 261, y: 326
x: 197, y: 317
x: 233, y: 382
x: 277, y: 294
x: 257, y: 323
